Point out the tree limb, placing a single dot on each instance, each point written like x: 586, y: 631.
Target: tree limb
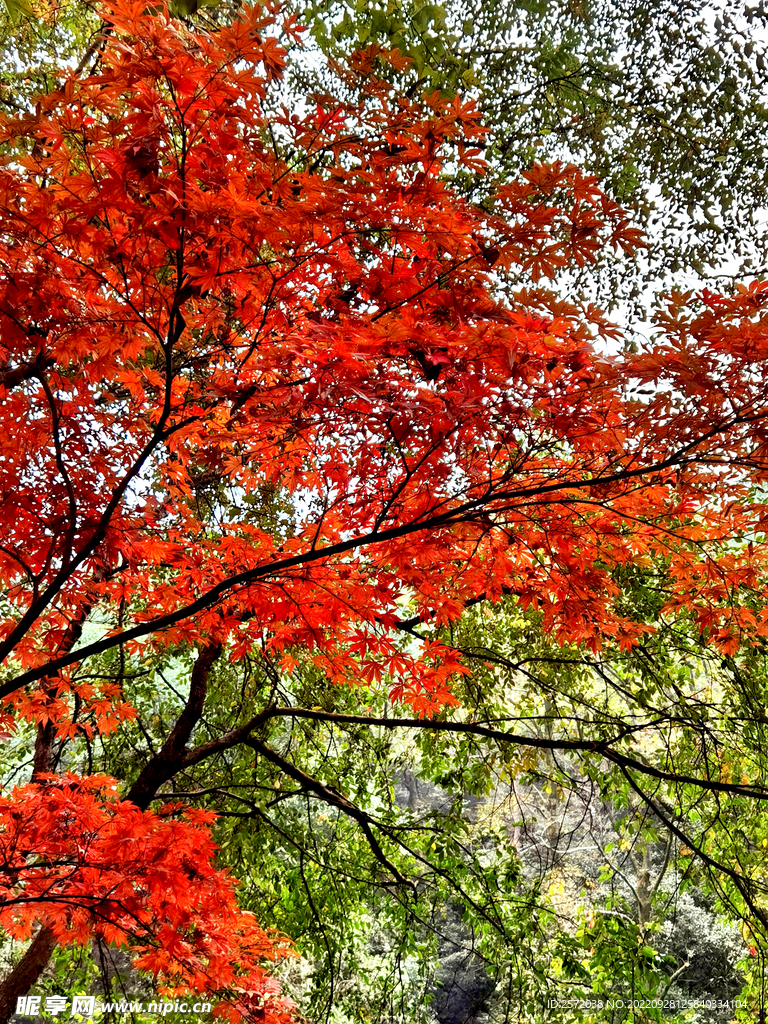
x: 169, y: 759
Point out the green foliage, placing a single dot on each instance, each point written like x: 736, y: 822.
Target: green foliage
x: 664, y: 102
x: 460, y: 838
x: 472, y: 837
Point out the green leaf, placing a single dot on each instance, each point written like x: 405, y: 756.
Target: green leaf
x: 18, y: 9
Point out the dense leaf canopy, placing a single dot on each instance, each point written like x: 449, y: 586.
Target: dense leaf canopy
x: 664, y: 102
x: 279, y: 426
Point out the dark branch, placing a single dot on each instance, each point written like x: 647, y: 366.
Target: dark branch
x: 169, y: 759
x: 333, y: 799
x: 603, y: 747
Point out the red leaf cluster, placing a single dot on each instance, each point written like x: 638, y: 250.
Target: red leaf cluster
x: 193, y: 291
x: 83, y: 862
x: 260, y: 387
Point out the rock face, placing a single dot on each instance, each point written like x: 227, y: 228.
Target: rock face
x: 463, y: 986
x: 565, y: 839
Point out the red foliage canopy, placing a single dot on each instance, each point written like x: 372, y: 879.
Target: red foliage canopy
x: 88, y: 863
x: 261, y: 386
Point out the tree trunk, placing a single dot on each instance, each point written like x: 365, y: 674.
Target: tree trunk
x: 644, y: 890
x: 26, y: 972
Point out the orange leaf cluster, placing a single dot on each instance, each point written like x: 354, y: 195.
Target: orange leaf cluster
x: 259, y: 387
x: 83, y: 862
x: 194, y: 291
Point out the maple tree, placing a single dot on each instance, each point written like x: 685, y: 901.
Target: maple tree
x: 262, y: 397
x: 682, y: 150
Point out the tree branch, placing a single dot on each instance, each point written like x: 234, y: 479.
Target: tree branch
x: 334, y: 799
x: 26, y: 972
x: 170, y: 758
x: 599, y: 746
